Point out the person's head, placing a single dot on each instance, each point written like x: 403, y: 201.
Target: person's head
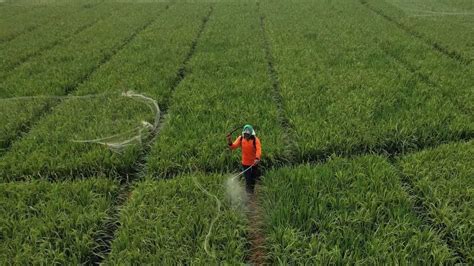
x: 248, y: 132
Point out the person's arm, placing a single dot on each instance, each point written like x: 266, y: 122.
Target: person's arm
x: 236, y: 143
x: 258, y: 153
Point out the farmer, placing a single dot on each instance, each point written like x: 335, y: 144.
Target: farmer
x: 251, y: 152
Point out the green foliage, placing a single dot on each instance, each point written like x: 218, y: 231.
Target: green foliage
x: 52, y: 223
x: 444, y: 22
x: 342, y: 212
x: 147, y: 65
x: 28, y: 18
x: 346, y: 94
x: 226, y: 85
x: 352, y: 77
x: 443, y: 179
x: 166, y: 222
x: 18, y: 118
x: 61, y: 69
x: 53, y: 33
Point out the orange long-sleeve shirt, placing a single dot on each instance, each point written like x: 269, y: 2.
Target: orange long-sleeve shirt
x: 249, y: 151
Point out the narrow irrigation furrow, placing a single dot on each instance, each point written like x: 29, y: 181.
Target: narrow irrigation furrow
x: 104, y: 241
x: 40, y: 24
x: 47, y: 107
x: 256, y: 236
x: 440, y: 181
x: 181, y: 73
x: 25, y: 127
x: 21, y: 59
x: 420, y: 210
x: 323, y: 158
x: 285, y: 123
x: 455, y: 55
x: 385, y: 153
x: 426, y: 79
x: 109, y: 56
x: 12, y: 37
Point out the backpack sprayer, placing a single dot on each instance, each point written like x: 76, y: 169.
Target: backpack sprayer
x: 246, y: 169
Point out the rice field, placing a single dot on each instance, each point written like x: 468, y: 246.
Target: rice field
x: 114, y: 115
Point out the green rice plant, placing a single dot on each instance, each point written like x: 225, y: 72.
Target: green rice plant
x: 344, y: 94
x: 9, y: 9
x: 33, y: 43
x: 430, y: 65
x: 52, y: 223
x: 148, y: 65
x: 226, y: 84
x: 18, y: 118
x: 29, y: 20
x: 60, y: 70
x: 443, y: 179
x: 166, y: 222
x: 445, y: 24
x: 345, y: 211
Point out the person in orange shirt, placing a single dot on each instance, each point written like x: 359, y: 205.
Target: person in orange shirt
x: 251, y: 154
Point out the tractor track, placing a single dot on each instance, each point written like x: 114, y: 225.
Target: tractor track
x: 104, y: 240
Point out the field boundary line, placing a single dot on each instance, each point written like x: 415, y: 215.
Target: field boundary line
x: 285, y: 123
x: 34, y: 27
x: 419, y: 73
x: 421, y: 211
x: 114, y: 51
x: 453, y: 54
x: 68, y: 89
x: 112, y: 224
x: 39, y: 52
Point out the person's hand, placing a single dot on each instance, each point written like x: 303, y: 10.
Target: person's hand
x: 257, y: 161
x: 229, y: 139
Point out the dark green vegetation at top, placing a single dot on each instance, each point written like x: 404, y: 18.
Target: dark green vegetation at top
x: 378, y: 96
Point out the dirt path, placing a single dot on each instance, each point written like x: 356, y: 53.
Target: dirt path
x: 256, y: 236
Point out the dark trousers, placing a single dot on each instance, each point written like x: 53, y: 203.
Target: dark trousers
x: 251, y: 177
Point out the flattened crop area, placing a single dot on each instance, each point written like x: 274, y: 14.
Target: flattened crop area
x: 114, y: 114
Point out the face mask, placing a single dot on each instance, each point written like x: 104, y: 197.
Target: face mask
x: 246, y: 136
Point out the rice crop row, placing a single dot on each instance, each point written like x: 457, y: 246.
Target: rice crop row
x: 443, y: 24
x: 167, y: 221
x: 60, y: 70
x: 23, y: 22
x: 227, y: 85
x: 345, y: 211
x: 439, y: 72
x: 30, y: 44
x: 9, y: 9
x: 430, y: 67
x: 52, y: 223
x: 345, y: 95
x: 443, y: 180
x: 148, y: 65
